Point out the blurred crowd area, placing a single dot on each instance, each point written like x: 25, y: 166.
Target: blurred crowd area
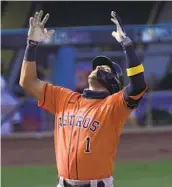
x: 19, y: 111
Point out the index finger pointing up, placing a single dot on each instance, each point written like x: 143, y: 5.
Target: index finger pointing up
x: 45, y: 19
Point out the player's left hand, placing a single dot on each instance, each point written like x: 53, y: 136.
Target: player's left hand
x: 119, y: 34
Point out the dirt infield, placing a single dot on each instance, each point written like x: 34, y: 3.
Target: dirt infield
x: 40, y: 151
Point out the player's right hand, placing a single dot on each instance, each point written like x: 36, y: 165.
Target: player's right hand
x: 37, y: 32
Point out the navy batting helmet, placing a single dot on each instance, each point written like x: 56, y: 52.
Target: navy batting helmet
x: 112, y: 81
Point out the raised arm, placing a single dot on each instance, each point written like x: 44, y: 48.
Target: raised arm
x: 36, y: 34
x: 135, y: 70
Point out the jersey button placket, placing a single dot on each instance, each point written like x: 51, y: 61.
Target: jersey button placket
x: 73, y: 170
x: 73, y: 146
x: 73, y: 149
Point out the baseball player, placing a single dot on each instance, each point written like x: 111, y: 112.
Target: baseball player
x: 88, y: 125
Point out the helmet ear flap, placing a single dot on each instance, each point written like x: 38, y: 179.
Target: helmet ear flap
x: 119, y: 74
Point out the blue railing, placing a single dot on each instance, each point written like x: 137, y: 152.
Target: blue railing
x: 91, y: 34
x: 89, y: 28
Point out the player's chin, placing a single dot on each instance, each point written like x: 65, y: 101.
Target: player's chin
x: 92, y: 77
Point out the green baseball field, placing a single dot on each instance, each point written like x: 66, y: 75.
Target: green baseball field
x: 142, y: 161
x: 131, y: 174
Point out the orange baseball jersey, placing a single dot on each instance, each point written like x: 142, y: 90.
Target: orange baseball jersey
x: 86, y: 132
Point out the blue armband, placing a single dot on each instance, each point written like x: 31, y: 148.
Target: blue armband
x: 30, y: 51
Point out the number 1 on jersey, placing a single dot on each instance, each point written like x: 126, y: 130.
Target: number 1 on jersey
x: 87, y: 146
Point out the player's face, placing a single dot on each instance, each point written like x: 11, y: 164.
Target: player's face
x: 93, y: 74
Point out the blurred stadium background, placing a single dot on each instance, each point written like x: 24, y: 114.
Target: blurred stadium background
x: 83, y: 31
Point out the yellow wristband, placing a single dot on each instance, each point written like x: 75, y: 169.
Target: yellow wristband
x: 135, y: 70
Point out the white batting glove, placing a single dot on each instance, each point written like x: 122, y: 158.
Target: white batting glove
x: 37, y: 32
x: 119, y: 34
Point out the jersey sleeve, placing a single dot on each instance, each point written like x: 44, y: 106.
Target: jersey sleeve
x: 119, y: 111
x: 119, y: 102
x: 53, y: 97
x: 132, y: 100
